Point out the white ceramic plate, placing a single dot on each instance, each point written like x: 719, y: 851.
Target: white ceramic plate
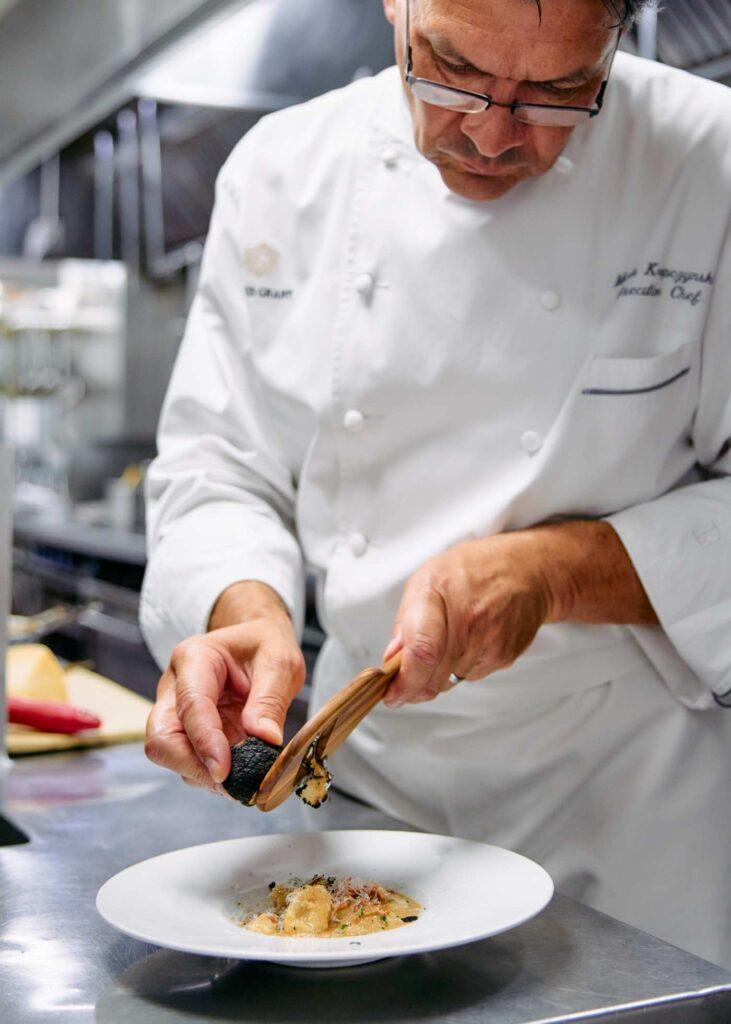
x: 182, y: 900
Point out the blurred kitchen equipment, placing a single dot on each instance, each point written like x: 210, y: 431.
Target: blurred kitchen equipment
x: 45, y: 235
x: 98, y: 460
x: 26, y: 629
x: 129, y: 190
x: 124, y: 496
x: 6, y: 582
x: 103, y: 196
x: 61, y: 365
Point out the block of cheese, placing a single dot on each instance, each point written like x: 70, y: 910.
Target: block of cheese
x: 33, y: 671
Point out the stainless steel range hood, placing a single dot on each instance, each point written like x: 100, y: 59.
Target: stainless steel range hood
x: 267, y: 54
x: 66, y: 65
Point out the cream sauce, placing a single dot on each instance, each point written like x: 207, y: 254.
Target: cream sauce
x: 328, y: 908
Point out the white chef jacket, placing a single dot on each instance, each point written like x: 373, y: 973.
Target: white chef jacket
x: 375, y: 368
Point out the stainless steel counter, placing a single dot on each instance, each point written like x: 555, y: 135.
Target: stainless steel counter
x: 89, y: 815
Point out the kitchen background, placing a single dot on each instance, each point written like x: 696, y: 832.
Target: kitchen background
x: 115, y: 117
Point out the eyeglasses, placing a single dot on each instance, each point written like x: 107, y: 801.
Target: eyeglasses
x: 549, y: 115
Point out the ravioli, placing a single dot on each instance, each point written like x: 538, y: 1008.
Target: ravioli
x: 329, y: 907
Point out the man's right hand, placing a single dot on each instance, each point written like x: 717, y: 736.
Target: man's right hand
x: 235, y: 681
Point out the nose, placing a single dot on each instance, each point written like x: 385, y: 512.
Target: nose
x: 493, y: 131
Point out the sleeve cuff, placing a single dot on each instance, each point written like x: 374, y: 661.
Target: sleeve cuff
x: 202, y: 554
x: 680, y: 546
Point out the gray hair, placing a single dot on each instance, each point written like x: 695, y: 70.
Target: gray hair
x: 625, y: 11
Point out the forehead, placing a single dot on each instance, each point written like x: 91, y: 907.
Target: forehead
x: 511, y: 32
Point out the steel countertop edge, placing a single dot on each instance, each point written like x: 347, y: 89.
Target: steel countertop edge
x: 90, y: 814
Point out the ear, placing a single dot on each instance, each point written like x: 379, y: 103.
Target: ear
x: 389, y: 9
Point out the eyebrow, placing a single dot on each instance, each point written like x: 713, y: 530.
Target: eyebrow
x: 442, y: 47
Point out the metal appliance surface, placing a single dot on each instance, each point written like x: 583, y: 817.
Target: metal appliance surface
x: 266, y: 54
x: 90, y: 57
x: 81, y: 53
x: 90, y: 815
x: 6, y: 584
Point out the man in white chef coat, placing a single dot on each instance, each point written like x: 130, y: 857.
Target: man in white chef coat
x: 462, y: 347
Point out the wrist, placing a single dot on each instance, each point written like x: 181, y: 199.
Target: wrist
x: 546, y: 557
x: 527, y: 561
x: 245, y: 601
x: 574, y: 557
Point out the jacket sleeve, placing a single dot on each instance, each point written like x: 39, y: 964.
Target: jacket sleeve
x: 220, y: 501
x: 680, y: 543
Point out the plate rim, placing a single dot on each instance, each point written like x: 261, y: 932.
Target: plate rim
x: 349, y: 953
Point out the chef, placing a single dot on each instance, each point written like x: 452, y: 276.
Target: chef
x: 462, y: 348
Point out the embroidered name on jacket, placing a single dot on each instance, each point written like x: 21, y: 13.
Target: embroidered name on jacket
x: 657, y: 280
x: 268, y: 293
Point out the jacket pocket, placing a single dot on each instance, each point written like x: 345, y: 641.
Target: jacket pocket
x: 631, y: 426
x: 607, y: 377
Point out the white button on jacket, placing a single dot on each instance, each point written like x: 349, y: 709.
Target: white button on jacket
x: 358, y: 544
x: 353, y: 421
x: 551, y: 301
x: 531, y: 442
x: 625, y: 390
x: 364, y: 285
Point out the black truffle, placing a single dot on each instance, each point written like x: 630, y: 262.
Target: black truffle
x: 250, y: 761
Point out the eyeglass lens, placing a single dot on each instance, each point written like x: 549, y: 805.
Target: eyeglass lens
x: 443, y: 96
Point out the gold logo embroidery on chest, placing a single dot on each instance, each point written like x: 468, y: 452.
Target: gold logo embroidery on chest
x: 261, y: 260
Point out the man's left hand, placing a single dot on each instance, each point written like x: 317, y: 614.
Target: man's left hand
x: 469, y: 611
x: 476, y: 608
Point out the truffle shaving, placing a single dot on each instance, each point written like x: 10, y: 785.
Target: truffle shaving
x: 313, y: 786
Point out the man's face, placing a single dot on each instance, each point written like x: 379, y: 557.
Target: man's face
x: 500, y: 47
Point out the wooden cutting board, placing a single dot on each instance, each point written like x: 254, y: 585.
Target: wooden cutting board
x: 123, y: 714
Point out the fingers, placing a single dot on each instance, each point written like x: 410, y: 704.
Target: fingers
x: 210, y: 679
x: 424, y: 630
x: 218, y: 789
x: 395, y: 644
x: 201, y: 673
x: 277, y: 675
x: 166, y: 742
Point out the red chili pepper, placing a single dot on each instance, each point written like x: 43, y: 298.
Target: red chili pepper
x: 50, y: 715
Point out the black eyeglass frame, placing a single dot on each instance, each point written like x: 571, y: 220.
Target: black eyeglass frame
x: 489, y: 102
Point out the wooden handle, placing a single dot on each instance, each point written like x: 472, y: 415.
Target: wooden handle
x: 333, y: 723
x: 354, y: 712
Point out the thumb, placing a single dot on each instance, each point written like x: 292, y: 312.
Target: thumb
x: 275, y: 679
x: 395, y: 644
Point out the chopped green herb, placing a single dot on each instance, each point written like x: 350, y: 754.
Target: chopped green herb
x: 411, y: 917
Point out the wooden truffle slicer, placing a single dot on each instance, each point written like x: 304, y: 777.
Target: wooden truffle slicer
x: 325, y: 731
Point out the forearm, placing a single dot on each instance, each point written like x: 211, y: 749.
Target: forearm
x: 588, y: 575
x: 245, y: 601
